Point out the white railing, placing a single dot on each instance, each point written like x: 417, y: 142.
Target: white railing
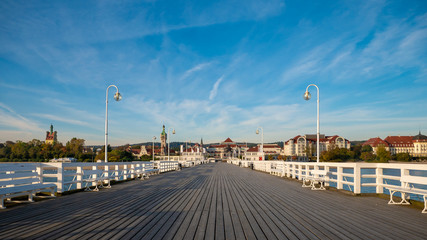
x: 166, y: 166
x: 78, y: 175
x: 356, y: 177
x: 72, y: 176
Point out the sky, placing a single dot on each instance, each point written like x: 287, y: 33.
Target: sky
x: 212, y: 69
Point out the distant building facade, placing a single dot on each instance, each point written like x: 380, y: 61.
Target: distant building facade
x: 255, y: 153
x: 415, y: 146
x: 193, y: 153
x: 299, y: 146
x: 51, y: 137
x: 226, y: 149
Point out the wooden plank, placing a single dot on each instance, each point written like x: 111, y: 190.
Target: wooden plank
x: 193, y: 225
x: 219, y: 222
x: 210, y: 202
x: 210, y: 227
x: 229, y: 202
x: 193, y: 192
x: 202, y: 225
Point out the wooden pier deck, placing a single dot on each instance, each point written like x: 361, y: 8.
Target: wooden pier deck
x: 212, y: 201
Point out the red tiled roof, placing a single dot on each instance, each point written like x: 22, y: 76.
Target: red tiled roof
x: 271, y: 146
x: 136, y: 151
x: 253, y: 149
x: 228, y: 140
x: 374, y: 142
x: 399, y: 141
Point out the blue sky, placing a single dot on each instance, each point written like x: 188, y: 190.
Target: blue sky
x: 212, y: 69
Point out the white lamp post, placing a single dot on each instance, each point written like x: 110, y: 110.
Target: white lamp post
x: 307, y: 97
x: 169, y: 142
x: 262, y: 141
x: 152, y: 150
x: 117, y: 97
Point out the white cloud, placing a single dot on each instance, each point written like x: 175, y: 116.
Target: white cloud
x: 62, y: 119
x: 196, y: 68
x: 214, y: 90
x: 16, y: 123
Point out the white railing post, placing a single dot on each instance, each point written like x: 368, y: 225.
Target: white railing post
x: 116, y: 172
x: 39, y: 170
x: 60, y: 177
x: 379, y: 180
x: 357, y: 175
x: 403, y: 172
x: 79, y: 177
x: 294, y: 171
x: 339, y: 177
x: 94, y: 176
x: 107, y: 171
x: 327, y: 176
x: 299, y: 171
x: 133, y: 167
x: 125, y: 172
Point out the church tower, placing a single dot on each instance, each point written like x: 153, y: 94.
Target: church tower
x: 163, y: 138
x: 51, y: 137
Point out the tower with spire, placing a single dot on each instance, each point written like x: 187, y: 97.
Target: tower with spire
x: 163, y: 138
x: 51, y: 137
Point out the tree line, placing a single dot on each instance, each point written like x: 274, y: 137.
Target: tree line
x: 39, y: 151
x: 362, y: 153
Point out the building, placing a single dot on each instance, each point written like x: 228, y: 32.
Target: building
x: 163, y: 138
x: 51, y: 137
x: 255, y: 153
x: 302, y: 147
x: 375, y: 143
x: 400, y: 144
x: 63, y: 160
x: 144, y: 150
x: 415, y: 146
x: 227, y: 149
x: 193, y: 153
x: 420, y: 145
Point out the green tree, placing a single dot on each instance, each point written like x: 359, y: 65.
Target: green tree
x: 403, y: 157
x: 366, y: 148
x: 20, y: 151
x: 357, y: 150
x: 335, y: 154
x: 35, y: 148
x: 75, y: 147
x: 5, y: 151
x: 367, y: 156
x: 146, y: 157
x: 382, y: 154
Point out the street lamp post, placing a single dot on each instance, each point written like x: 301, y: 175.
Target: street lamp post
x: 152, y: 150
x: 117, y: 97
x: 169, y: 142
x: 307, y: 97
x: 262, y: 141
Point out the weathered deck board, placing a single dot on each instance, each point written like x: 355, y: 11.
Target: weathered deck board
x: 214, y: 201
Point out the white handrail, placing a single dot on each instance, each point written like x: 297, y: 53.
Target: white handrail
x: 355, y: 177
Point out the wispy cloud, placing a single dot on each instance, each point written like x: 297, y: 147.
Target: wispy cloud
x: 10, y: 119
x: 62, y: 119
x: 196, y: 68
x: 214, y: 90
